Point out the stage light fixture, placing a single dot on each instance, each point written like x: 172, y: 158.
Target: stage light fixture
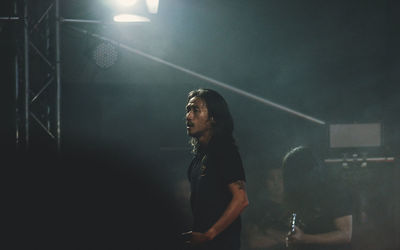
x: 126, y: 3
x: 105, y: 55
x: 152, y: 6
x: 128, y: 18
x: 135, y: 11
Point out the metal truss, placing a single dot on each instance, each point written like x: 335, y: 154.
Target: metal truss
x: 37, y: 80
x: 37, y: 73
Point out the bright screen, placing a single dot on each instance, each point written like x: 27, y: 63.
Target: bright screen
x: 355, y: 135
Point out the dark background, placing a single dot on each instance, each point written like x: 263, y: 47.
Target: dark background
x: 337, y: 61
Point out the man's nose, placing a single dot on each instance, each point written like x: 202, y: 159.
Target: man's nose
x: 189, y: 115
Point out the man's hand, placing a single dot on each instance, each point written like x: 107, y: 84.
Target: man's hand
x: 342, y: 234
x: 296, y: 237
x: 199, y: 238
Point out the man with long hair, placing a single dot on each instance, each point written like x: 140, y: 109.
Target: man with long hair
x: 322, y: 207
x: 216, y: 174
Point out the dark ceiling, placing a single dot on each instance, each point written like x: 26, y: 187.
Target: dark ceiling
x: 336, y: 61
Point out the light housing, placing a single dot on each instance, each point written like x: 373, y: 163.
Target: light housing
x: 129, y: 18
x: 135, y: 11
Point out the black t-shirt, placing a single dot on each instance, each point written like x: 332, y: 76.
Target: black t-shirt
x: 210, y: 173
x: 266, y: 215
x: 334, y: 202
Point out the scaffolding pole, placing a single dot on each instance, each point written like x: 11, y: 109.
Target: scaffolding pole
x: 37, y: 76
x: 58, y: 77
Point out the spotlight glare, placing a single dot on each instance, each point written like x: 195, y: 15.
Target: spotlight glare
x: 152, y: 6
x: 127, y: 18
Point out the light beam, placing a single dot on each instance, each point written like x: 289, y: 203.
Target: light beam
x: 205, y: 78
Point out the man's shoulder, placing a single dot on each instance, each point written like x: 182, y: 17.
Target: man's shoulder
x: 223, y: 147
x: 225, y: 153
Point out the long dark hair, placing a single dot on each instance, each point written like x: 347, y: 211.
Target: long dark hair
x: 303, y: 177
x: 219, y: 111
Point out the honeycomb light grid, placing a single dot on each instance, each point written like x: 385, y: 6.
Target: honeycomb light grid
x: 105, y: 55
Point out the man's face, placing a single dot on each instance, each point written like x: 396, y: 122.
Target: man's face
x: 274, y: 183
x: 197, y: 121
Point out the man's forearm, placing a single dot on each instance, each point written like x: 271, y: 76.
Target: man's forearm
x: 234, y: 209
x: 341, y: 235
x: 335, y: 237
